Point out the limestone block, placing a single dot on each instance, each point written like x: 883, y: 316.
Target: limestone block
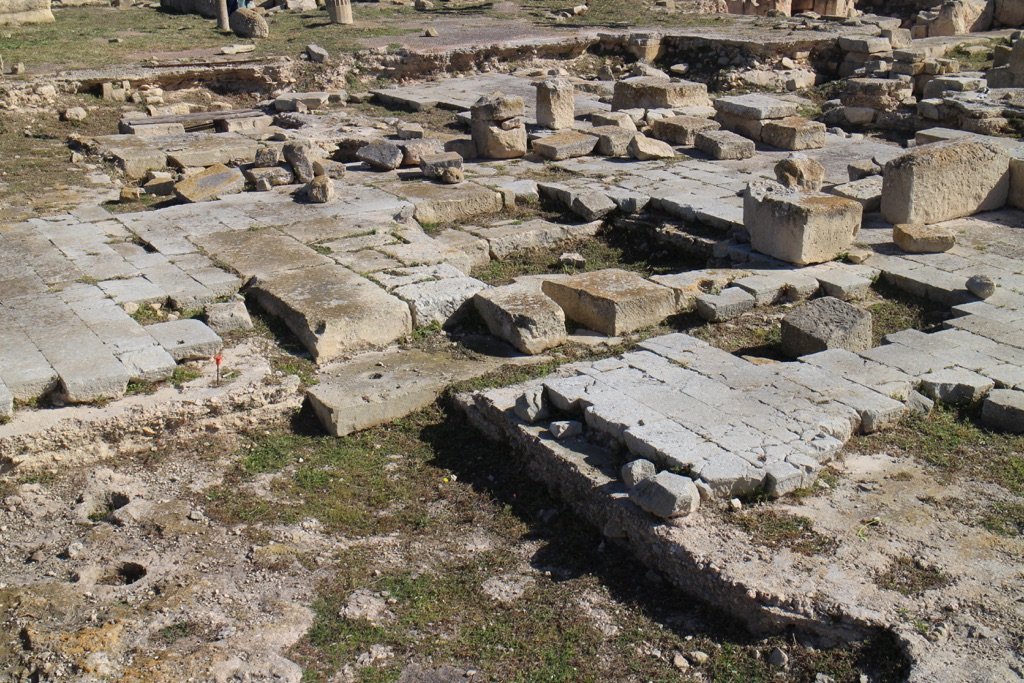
x: 844, y: 284
x: 381, y: 155
x: 6, y: 401
x: 798, y: 227
x: 591, y: 206
x: 1009, y: 13
x: 724, y: 144
x: 825, y: 323
x: 186, y: 339
x: 26, y: 12
x: 505, y: 141
x: 444, y: 301
x: 644, y: 148
x: 765, y: 289
x: 613, y: 141
x: 565, y: 145
x: 248, y: 23
x: 498, y: 107
x: 647, y: 92
x: 800, y: 171
x: 794, y: 133
x: 612, y: 301
x: 311, y: 101
x: 273, y: 175
x: 867, y: 191
x: 682, y: 130
x: 882, y: 94
x: 434, y: 165
x: 620, y: 119
x: 212, y: 183
x: 730, y: 303
x: 1003, y: 410
x: 666, y: 495
x: 320, y: 189
x: 755, y: 107
x: 923, y: 239
x: 414, y: 150
x: 229, y: 316
x: 146, y: 130
x: 1016, y: 193
x: 636, y: 471
x: 959, y: 17
x: 956, y: 386
x: 688, y: 285
x: 523, y: 316
x: 748, y: 128
x: 556, y: 104
x: 945, y: 180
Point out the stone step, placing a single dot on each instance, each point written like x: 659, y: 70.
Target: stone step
x: 23, y: 368
x: 132, y: 343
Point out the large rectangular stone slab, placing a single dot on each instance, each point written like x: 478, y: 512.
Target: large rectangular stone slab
x: 186, y: 339
x: 612, y: 301
x: 23, y: 368
x: 509, y: 239
x: 334, y: 311
x: 644, y: 92
x: 755, y: 107
x: 260, y: 253
x: 522, y: 315
x: 207, y: 150
x: 443, y: 203
x: 131, y: 154
x: 945, y: 180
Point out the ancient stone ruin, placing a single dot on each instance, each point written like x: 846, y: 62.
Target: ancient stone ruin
x: 733, y: 291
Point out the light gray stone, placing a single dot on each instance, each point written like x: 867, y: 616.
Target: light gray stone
x: 443, y: 301
x: 644, y: 148
x: 612, y: 141
x: 187, y: 339
x: 636, y: 471
x: 6, y: 402
x: 320, y: 190
x: 723, y: 144
x: 955, y: 386
x: 1003, y: 410
x: 732, y: 302
x: 611, y: 301
x: 212, y: 183
x: 682, y: 130
x: 591, y: 206
x: 565, y: 429
x: 800, y: 171
x: 666, y: 495
x: 825, y: 323
x: 755, y: 106
x: 981, y: 286
x: 556, y: 103
x: 765, y: 289
x: 923, y: 239
x: 531, y: 406
x: 523, y: 316
x: 565, y: 145
x: 794, y: 133
x: 230, y: 316
x: 647, y: 92
x: 381, y: 155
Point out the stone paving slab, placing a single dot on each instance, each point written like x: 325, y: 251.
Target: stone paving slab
x: 260, y: 253
x: 23, y: 368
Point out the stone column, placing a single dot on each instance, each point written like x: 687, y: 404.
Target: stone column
x: 340, y: 11
x: 556, y: 104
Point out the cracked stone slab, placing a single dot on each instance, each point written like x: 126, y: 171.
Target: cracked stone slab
x: 186, y: 339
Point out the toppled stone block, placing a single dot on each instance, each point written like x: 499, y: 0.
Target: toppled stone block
x: 381, y: 155
x: 612, y: 141
x: 308, y: 101
x: 619, y: 119
x: 444, y: 301
x: 611, y: 301
x: 590, y: 206
x: 565, y: 429
x: 636, y: 471
x: 666, y: 495
x: 531, y: 406
x: 755, y: 107
x: 923, y: 239
x: 801, y: 228
x: 649, y: 92
x: 723, y: 144
x: 800, y: 171
x: 732, y: 302
x: 273, y: 176
x: 300, y: 155
x: 825, y: 323
x: 644, y: 148
x: 945, y: 180
x: 682, y: 130
x: 794, y: 133
x: 186, y: 339
x: 1003, y: 410
x: 523, y: 316
x: 556, y: 103
x: 434, y: 165
x: 867, y: 191
x: 320, y: 190
x: 414, y: 150
x: 565, y: 145
x: 209, y: 184
x: 229, y: 316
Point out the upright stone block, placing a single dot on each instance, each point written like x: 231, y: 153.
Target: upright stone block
x: 823, y: 324
x: 799, y: 227
x: 682, y: 130
x: 794, y: 133
x: 648, y: 92
x: 612, y: 301
x: 945, y: 180
x: 556, y: 104
x: 523, y: 316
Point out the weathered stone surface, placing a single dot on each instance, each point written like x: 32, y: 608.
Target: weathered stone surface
x: 565, y: 429
x: 866, y: 191
x: 644, y: 148
x: 636, y: 471
x: 723, y: 144
x: 229, y: 316
x: 6, y: 401
x: 956, y: 386
x: 619, y: 119
x: 333, y: 311
x: 612, y: 301
x: 556, y: 103
x: 682, y: 130
x: 945, y: 180
x: 443, y: 301
x: 310, y: 101
x: 800, y: 171
x: 212, y: 183
x: 689, y: 284
x: 273, y: 175
x: 666, y: 495
x: 1003, y: 410
x: 414, y: 150
x: 301, y: 156
x: 730, y: 303
x: 186, y: 339
x: 131, y: 154
x: 981, y: 286
x: 440, y: 203
x: 506, y: 240
x: 765, y: 289
x: 825, y: 323
x: 564, y: 145
x: 247, y: 23
x: 794, y: 133
x: 755, y: 106
x: 497, y: 127
x: 222, y: 148
x: 381, y: 155
x: 612, y: 141
x: 320, y: 189
x: 590, y: 206
x: 923, y: 239
x: 434, y: 165
x: 800, y: 228
x: 648, y: 92
x: 532, y: 406
x: 26, y: 12
x: 523, y: 316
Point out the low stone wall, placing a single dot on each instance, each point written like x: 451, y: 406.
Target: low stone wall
x: 25, y: 11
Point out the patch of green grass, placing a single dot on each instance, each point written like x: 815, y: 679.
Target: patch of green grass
x: 895, y: 310
x: 953, y: 440
x: 147, y: 315
x: 183, y: 374
x: 907, y: 576
x: 140, y: 387
x: 1005, y: 519
x: 301, y: 367
x: 773, y: 529
x: 169, y: 635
